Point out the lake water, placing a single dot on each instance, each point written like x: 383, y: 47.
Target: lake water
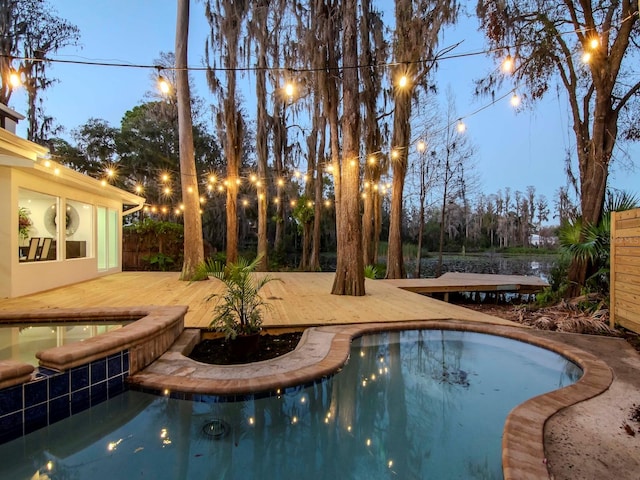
x: 495, y: 263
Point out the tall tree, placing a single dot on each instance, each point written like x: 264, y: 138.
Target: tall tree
x: 226, y: 20
x: 374, y: 48
x: 30, y: 30
x: 193, y: 248
x: 418, y: 24
x: 454, y: 152
x: 349, y: 279
x: 591, y: 46
x: 260, y: 34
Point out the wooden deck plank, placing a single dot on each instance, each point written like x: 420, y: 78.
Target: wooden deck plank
x: 471, y: 282
x: 298, y: 299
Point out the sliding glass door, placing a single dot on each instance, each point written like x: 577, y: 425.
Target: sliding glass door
x: 107, y: 238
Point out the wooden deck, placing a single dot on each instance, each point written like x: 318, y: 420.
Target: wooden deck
x: 298, y: 299
x: 471, y: 282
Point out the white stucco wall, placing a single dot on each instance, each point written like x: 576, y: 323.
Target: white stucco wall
x: 21, y: 278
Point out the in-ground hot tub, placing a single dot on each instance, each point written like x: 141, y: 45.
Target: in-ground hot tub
x: 73, y: 377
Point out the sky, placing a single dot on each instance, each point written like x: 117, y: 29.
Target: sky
x: 513, y: 150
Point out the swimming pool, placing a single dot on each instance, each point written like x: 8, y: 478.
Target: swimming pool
x: 410, y: 404
x: 21, y: 342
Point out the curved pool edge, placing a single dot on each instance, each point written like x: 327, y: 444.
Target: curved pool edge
x: 151, y: 331
x: 324, y: 350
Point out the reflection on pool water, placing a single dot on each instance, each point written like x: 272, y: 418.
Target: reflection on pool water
x: 413, y: 404
x: 22, y: 342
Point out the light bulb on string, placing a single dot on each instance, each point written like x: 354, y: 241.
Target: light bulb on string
x: 14, y: 78
x: 586, y: 57
x: 421, y: 146
x: 594, y: 43
x: 508, y: 64
x: 163, y: 85
x: 289, y: 89
x: 515, y: 100
x: 403, y: 81
x: 461, y: 127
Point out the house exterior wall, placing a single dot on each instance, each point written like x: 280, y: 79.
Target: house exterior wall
x: 21, y: 278
x: 8, y: 221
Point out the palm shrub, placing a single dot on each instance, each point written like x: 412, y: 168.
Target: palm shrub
x: 371, y: 271
x: 587, y: 242
x: 239, y: 309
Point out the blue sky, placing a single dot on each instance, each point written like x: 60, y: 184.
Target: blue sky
x: 513, y: 150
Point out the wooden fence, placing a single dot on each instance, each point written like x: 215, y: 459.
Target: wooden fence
x: 625, y: 270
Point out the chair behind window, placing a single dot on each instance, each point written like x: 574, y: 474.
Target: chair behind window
x: 44, y: 251
x: 34, y: 243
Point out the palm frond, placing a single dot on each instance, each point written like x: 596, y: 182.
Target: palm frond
x: 239, y: 308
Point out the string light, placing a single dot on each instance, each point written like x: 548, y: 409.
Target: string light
x: 163, y: 84
x: 289, y: 89
x: 403, y: 81
x: 515, y: 100
x: 586, y: 57
x: 421, y: 146
x: 460, y: 126
x: 14, y: 78
x: 508, y: 65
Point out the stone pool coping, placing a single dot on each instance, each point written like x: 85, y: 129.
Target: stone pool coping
x: 152, y: 331
x: 322, y: 351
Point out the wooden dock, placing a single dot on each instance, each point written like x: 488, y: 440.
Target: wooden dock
x: 297, y: 300
x: 471, y: 282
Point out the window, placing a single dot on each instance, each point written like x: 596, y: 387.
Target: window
x: 79, y: 229
x: 37, y: 226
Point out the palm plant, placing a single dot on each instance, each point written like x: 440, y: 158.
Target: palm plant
x: 239, y: 308
x: 587, y: 242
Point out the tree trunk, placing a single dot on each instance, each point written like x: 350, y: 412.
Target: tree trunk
x: 420, y: 229
x: 593, y: 159
x: 260, y: 13
x: 314, y: 263
x: 401, y: 134
x: 349, y: 279
x: 193, y: 248
x: 371, y: 131
x: 442, y: 218
x: 279, y: 146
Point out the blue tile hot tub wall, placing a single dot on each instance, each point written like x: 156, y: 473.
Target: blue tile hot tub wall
x: 53, y: 396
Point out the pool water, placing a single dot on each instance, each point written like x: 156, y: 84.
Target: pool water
x: 22, y: 342
x: 408, y: 405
